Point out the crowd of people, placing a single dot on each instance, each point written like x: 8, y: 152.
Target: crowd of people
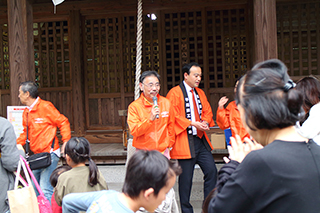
x: 273, y: 163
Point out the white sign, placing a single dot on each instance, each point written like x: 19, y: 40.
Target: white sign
x: 14, y: 115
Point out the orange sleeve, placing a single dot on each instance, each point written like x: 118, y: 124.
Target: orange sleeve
x: 207, y: 114
x: 60, y: 121
x: 222, y: 118
x: 137, y: 124
x: 176, y: 99
x: 171, y: 131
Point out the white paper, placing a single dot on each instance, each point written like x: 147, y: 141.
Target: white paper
x: 14, y: 115
x: 56, y: 2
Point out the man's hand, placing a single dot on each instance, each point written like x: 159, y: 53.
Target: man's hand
x: 203, y: 126
x: 20, y: 147
x: 222, y: 102
x: 154, y: 112
x: 62, y: 149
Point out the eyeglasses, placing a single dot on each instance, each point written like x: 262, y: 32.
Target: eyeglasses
x: 151, y: 85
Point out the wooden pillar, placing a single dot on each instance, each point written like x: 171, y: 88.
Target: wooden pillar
x: 265, y: 30
x: 76, y: 73
x: 205, y: 69
x: 21, y: 50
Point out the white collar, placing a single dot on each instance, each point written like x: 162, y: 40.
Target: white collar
x: 188, y: 88
x: 33, y: 104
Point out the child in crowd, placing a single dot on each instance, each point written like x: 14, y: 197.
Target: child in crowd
x: 150, y: 176
x: 80, y: 178
x: 54, y: 180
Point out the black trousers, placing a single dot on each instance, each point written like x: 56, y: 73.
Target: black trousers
x: 205, y: 160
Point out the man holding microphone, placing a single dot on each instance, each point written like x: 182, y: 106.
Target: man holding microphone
x: 151, y: 117
x: 151, y: 120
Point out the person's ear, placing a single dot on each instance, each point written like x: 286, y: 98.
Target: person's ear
x: 147, y: 193
x: 67, y: 158
x: 140, y: 85
x: 185, y: 75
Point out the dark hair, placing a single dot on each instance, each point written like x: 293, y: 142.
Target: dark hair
x: 147, y: 74
x: 273, y: 64
x: 267, y: 97
x: 186, y: 68
x: 78, y: 149
x: 148, y: 169
x: 208, y: 199
x: 31, y: 87
x: 56, y: 173
x: 310, y: 89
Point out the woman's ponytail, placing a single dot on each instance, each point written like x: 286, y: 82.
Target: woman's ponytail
x: 93, y: 173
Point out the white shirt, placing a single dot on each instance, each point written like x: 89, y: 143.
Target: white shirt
x: 189, y: 93
x: 311, y: 128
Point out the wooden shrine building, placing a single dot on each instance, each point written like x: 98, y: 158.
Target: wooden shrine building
x: 83, y: 56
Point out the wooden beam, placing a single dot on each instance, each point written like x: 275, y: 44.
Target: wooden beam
x: 265, y: 30
x: 21, y: 54
x: 109, y: 95
x: 87, y: 7
x: 122, y: 79
x: 76, y: 73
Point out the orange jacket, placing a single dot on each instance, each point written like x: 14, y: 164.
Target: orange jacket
x: 147, y: 134
x: 43, y: 120
x: 230, y: 118
x: 181, y: 149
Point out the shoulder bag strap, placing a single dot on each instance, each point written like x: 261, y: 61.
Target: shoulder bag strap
x: 27, y: 139
x: 52, y: 144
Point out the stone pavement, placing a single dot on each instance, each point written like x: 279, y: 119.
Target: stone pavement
x: 114, y: 175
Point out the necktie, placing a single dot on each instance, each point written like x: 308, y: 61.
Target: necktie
x: 196, y: 114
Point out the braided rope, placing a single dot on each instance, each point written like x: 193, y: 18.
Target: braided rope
x: 138, y: 50
x: 130, y: 149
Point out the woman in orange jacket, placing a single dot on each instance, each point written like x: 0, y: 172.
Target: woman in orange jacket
x: 229, y: 117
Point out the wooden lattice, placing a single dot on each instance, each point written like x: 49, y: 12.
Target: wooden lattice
x: 103, y: 52
x: 102, y: 55
x: 151, y: 57
x: 129, y: 52
x: 223, y: 43
x: 299, y: 37
x: 183, y: 43
x: 227, y: 46
x: 51, y: 49
x: 109, y: 52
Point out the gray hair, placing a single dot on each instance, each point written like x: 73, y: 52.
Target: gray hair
x: 31, y: 87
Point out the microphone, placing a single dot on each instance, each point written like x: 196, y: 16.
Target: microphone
x: 155, y: 102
